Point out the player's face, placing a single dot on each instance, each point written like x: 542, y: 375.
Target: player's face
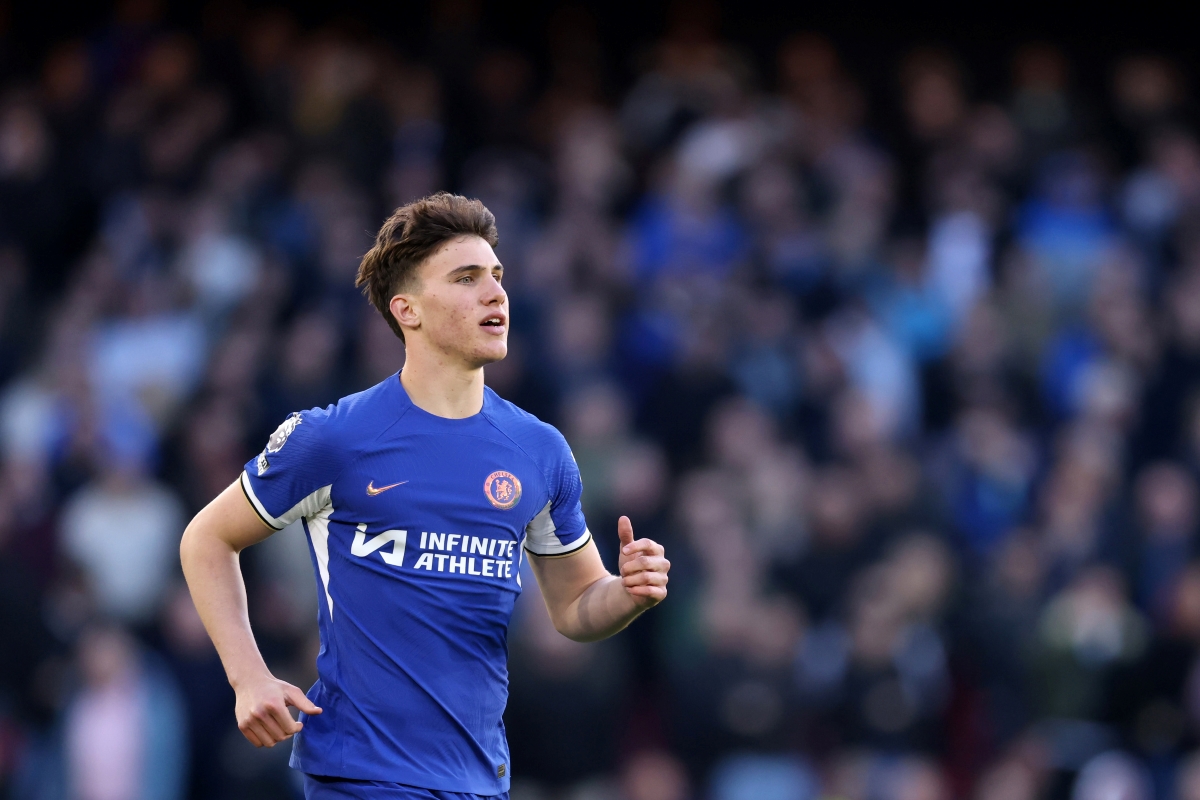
x: 462, y: 308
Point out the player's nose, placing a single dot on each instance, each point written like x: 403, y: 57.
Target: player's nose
x: 494, y: 293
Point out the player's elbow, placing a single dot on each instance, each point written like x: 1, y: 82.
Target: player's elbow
x: 571, y: 624
x: 560, y: 622
x: 192, y: 542
x: 584, y: 637
x: 574, y: 634
x: 566, y: 623
x: 571, y: 632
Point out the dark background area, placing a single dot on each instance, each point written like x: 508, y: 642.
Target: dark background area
x: 885, y: 321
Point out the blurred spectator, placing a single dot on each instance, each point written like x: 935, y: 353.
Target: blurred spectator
x: 1114, y: 775
x: 1086, y: 631
x: 765, y: 777
x: 1166, y: 497
x: 654, y: 775
x: 124, y: 733
x: 123, y: 532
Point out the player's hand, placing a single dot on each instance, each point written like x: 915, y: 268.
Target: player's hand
x: 262, y: 714
x: 643, y: 567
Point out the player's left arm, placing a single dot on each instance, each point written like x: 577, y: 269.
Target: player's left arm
x: 586, y: 602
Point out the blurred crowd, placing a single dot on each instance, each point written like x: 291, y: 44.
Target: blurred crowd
x: 908, y: 383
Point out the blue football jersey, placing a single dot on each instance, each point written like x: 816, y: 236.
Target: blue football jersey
x: 416, y: 526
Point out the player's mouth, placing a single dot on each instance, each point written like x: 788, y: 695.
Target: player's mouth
x: 494, y: 324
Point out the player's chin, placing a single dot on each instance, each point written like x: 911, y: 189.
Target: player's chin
x: 491, y: 349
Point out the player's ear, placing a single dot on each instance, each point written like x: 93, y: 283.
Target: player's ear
x: 405, y: 311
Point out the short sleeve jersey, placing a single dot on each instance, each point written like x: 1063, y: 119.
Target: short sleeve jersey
x: 416, y: 526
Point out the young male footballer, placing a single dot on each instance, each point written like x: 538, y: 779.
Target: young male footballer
x: 421, y: 498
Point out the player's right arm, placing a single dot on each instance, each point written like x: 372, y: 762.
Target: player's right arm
x: 210, y: 553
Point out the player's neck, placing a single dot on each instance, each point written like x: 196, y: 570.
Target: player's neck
x: 442, y: 389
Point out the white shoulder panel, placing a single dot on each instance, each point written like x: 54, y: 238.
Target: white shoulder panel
x: 541, y: 541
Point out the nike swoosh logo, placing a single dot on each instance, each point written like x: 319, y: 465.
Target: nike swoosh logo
x: 372, y: 490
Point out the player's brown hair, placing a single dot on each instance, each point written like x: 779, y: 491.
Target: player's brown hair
x: 409, y: 236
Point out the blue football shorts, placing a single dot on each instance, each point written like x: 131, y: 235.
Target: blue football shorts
x: 319, y: 787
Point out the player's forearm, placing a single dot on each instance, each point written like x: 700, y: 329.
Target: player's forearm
x: 213, y: 572
x: 604, y: 608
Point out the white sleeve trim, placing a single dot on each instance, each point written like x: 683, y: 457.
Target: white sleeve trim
x: 540, y: 538
x: 308, y: 507
x: 248, y: 490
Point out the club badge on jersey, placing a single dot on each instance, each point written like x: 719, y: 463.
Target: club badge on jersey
x: 503, y: 489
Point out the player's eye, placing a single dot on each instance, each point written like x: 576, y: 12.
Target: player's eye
x: 466, y: 279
